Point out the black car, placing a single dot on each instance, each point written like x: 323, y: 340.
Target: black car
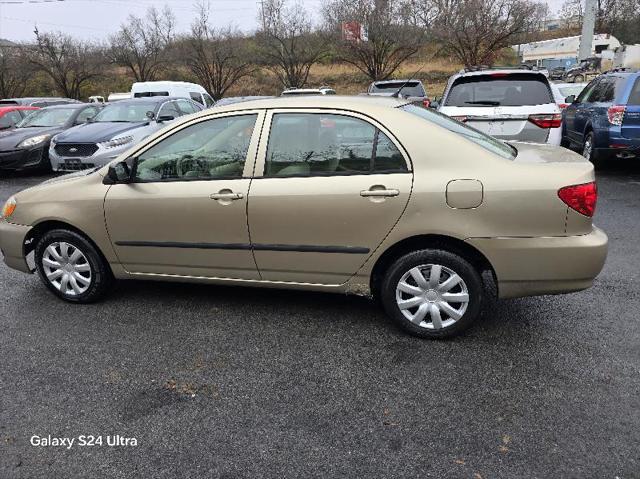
x: 557, y: 73
x: 27, y: 146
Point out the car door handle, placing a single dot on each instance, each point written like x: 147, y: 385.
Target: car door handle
x: 226, y: 195
x: 380, y: 193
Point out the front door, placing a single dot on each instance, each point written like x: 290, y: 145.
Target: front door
x: 185, y: 212
x: 329, y: 187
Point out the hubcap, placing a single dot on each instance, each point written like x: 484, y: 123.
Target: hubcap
x: 432, y: 296
x: 66, y: 268
x: 586, y: 152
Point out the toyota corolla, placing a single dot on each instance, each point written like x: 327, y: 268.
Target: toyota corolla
x: 371, y: 196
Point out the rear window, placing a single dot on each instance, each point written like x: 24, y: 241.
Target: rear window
x: 147, y: 94
x: 412, y: 88
x: 500, y: 89
x: 485, y: 141
x: 634, y: 97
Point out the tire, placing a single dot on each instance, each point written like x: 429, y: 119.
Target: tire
x: 578, y: 79
x: 421, y: 303
x: 589, y: 151
x: 88, y: 274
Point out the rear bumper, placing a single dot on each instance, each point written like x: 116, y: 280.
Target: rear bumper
x: 16, y: 160
x: 12, y: 239
x: 546, y: 265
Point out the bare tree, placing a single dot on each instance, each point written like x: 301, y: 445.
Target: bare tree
x: 288, y: 42
x: 476, y: 30
x: 389, y: 39
x: 217, y: 58
x: 70, y: 64
x: 141, y: 45
x: 15, y: 71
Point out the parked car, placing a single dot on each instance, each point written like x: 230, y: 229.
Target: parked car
x: 562, y: 90
x: 26, y: 147
x: 40, y: 102
x: 584, y: 71
x: 323, y: 90
x: 509, y: 104
x: 604, y: 120
x: 10, y: 116
x: 325, y: 193
x: 557, y: 73
x: 178, y: 89
x: 237, y: 99
x: 118, y: 127
x: 412, y: 90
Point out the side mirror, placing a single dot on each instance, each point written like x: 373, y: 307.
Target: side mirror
x: 570, y: 99
x: 118, y: 173
x: 151, y: 115
x: 163, y: 118
x: 435, y: 103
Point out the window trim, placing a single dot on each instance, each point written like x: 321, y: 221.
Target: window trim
x: 261, y: 162
x: 250, y: 160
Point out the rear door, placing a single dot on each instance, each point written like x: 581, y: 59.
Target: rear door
x: 328, y: 187
x: 502, y: 104
x: 631, y: 120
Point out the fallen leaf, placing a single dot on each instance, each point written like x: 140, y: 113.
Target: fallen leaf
x: 459, y: 461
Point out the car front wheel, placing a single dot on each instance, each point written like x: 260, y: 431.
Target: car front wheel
x: 432, y: 293
x: 71, y: 267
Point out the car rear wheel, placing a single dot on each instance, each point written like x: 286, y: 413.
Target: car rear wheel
x: 432, y: 293
x: 71, y: 267
x: 589, y: 151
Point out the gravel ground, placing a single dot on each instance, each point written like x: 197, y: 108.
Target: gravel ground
x: 240, y: 382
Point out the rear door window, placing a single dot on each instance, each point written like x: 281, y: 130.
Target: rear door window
x: 500, y: 89
x: 318, y: 144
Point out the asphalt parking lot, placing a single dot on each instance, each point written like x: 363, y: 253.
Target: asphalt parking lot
x: 239, y: 382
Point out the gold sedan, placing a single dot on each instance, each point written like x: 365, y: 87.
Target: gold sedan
x: 370, y: 196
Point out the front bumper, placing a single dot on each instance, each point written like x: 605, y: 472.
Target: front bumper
x: 76, y: 163
x: 16, y: 160
x: 544, y: 265
x: 12, y: 238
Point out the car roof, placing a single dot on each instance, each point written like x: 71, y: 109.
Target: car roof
x: 149, y: 99
x: 506, y: 71
x: 400, y: 80
x: 68, y: 106
x: 338, y: 102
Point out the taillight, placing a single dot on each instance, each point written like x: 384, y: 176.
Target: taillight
x: 426, y: 103
x: 563, y: 105
x: 459, y: 118
x: 615, y: 114
x: 546, y: 120
x: 581, y: 198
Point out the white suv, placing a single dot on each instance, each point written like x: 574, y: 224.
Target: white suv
x: 323, y: 90
x: 508, y: 104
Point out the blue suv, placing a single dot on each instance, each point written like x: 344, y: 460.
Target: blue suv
x: 604, y: 121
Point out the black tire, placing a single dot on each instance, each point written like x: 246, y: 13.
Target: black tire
x: 98, y: 278
x: 589, y: 152
x: 471, y: 279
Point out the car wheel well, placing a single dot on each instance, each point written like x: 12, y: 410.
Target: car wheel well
x: 40, y: 229
x: 421, y: 242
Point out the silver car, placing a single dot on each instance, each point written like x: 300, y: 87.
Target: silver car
x: 118, y: 127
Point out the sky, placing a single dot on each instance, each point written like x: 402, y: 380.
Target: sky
x: 97, y: 19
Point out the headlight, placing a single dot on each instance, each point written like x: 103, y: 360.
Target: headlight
x: 116, y: 142
x: 9, y: 207
x: 33, y: 141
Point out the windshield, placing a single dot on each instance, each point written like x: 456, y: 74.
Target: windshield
x: 53, y: 117
x: 412, y: 88
x: 500, y: 89
x: 125, y: 113
x: 485, y: 141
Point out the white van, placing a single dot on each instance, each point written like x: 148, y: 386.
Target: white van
x: 118, y: 96
x: 179, y: 89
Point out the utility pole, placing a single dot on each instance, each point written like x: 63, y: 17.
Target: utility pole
x: 588, y: 27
